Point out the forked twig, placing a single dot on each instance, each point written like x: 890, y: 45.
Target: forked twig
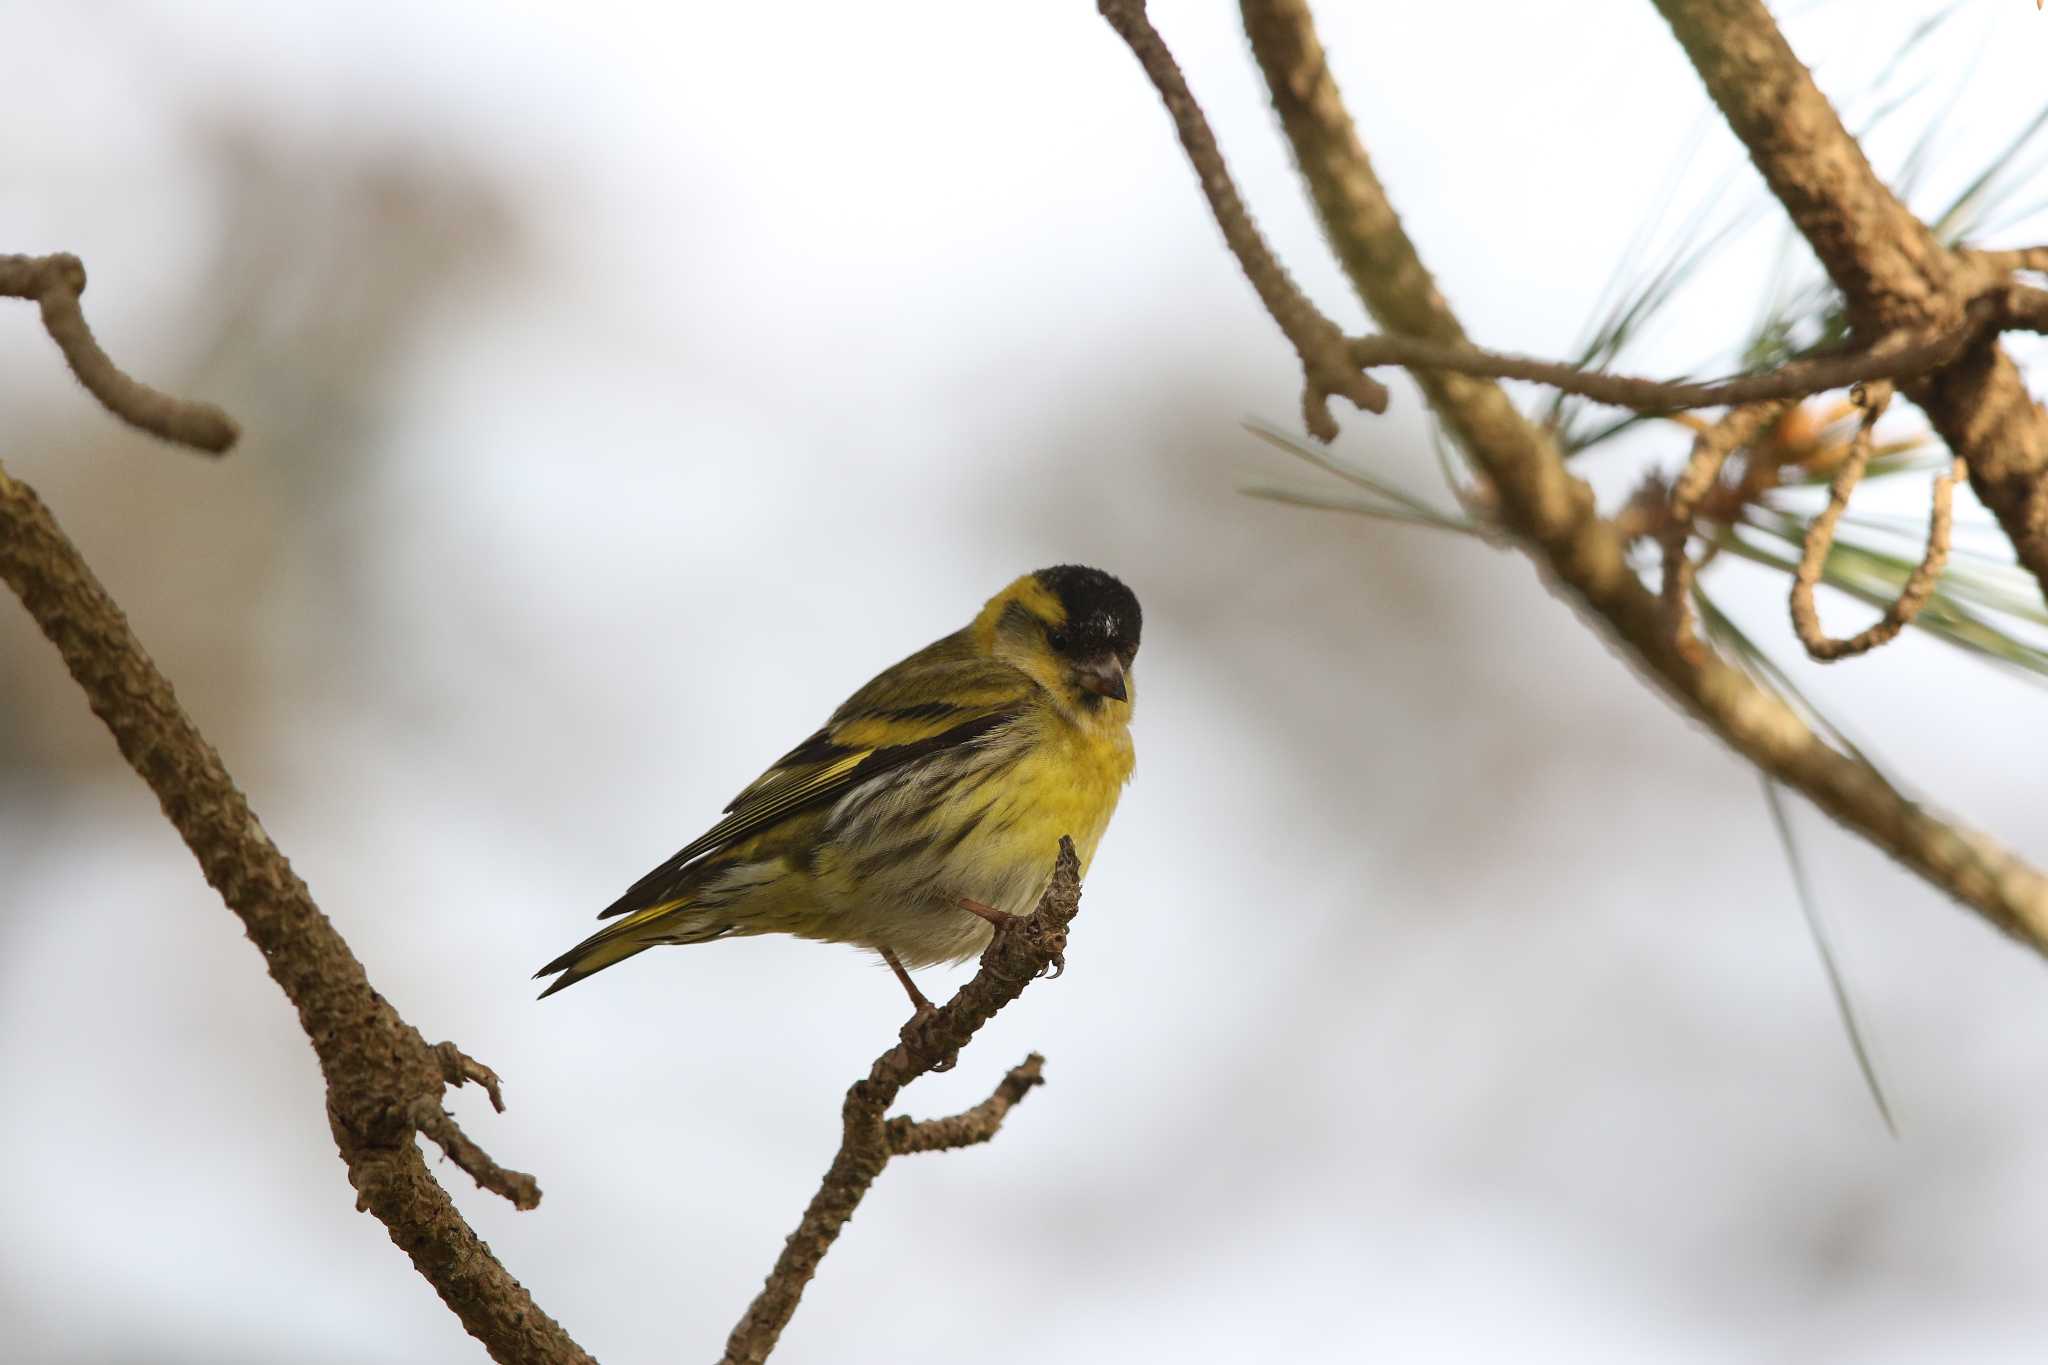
x: 1325, y: 356
x: 384, y: 1082
x: 1022, y: 950
x: 1553, y: 515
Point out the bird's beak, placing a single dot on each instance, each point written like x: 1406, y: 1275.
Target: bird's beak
x: 1104, y: 677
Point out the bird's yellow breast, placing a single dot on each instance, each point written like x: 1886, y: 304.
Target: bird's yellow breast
x: 1066, y: 783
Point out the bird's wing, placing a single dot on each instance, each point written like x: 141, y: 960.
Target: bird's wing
x: 895, y: 720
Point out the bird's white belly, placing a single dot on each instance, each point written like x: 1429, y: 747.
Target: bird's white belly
x: 920, y: 920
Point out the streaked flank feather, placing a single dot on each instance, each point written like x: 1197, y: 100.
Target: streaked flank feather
x: 951, y: 776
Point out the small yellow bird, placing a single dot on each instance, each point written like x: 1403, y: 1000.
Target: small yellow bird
x: 931, y: 804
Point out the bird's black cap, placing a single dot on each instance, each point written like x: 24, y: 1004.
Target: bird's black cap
x: 1103, y: 615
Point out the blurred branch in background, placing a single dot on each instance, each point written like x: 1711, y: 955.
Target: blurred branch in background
x: 384, y: 1082
x: 54, y: 283
x: 1926, y: 317
x: 1908, y: 295
x: 338, y: 263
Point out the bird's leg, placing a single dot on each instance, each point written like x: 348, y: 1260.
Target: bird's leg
x: 921, y: 1008
x: 1004, y: 921
x: 918, y: 1003
x: 999, y: 918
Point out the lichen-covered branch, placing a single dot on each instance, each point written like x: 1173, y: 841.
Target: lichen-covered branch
x: 1021, y: 950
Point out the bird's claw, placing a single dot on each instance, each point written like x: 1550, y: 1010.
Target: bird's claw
x: 1051, y: 942
x: 916, y: 1036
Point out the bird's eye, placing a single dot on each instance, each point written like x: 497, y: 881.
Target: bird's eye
x: 1058, y: 639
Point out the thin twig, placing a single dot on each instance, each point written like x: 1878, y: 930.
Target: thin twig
x: 1710, y: 450
x: 2005, y: 262
x: 1895, y: 356
x: 1889, y: 267
x: 1021, y: 950
x: 1325, y: 357
x: 2024, y: 308
x: 459, y: 1068
x: 1552, y: 515
x: 384, y: 1083
x: 971, y: 1126
x: 55, y: 282
x: 434, y: 1122
x: 1820, y: 538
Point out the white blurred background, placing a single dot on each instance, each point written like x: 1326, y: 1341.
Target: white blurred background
x: 626, y: 383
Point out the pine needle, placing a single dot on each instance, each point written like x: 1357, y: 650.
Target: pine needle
x: 1823, y: 942
x: 1394, y: 502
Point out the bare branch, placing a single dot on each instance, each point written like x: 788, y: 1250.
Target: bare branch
x: 1021, y: 950
x: 2005, y: 262
x: 1899, y: 352
x: 384, y: 1083
x: 1710, y: 450
x: 55, y: 282
x: 1891, y: 271
x: 1897, y: 355
x: 2025, y: 308
x: 1332, y: 364
x: 1820, y: 538
x: 1889, y: 267
x: 1552, y: 514
x: 976, y: 1125
x: 458, y: 1068
x: 433, y: 1122
x: 1324, y: 357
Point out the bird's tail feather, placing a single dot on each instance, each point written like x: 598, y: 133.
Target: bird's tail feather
x: 676, y: 921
